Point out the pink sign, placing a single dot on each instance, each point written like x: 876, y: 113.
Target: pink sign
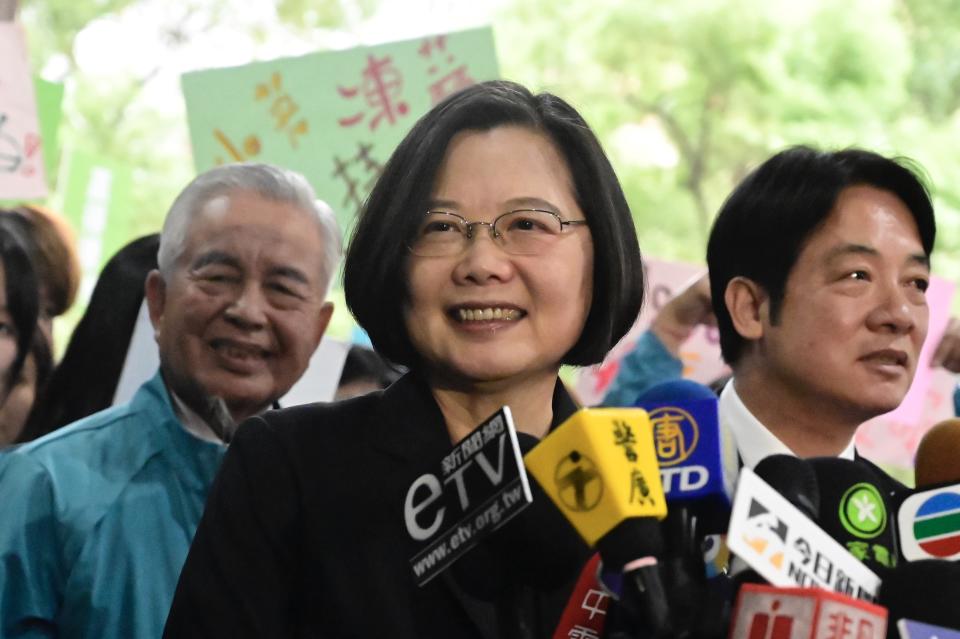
x: 21, y: 158
x: 700, y: 354
x: 893, y: 438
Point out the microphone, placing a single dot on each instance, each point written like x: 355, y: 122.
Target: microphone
x: 928, y: 520
x: 937, y: 458
x: 600, y: 469
x: 925, y: 587
x: 686, y: 435
x: 926, y: 590
x: 782, y: 543
x: 767, y: 612
x: 910, y: 629
x: 794, y: 480
x: 477, y: 487
x: 855, y: 511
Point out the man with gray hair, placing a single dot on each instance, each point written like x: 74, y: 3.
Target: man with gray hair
x: 98, y: 516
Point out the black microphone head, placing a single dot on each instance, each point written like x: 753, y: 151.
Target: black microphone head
x: 633, y: 538
x: 856, y: 510
x: 793, y: 478
x: 925, y: 590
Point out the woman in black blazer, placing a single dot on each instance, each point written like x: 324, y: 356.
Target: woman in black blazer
x: 496, y: 246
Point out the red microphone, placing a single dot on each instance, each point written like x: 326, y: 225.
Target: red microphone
x: 767, y: 612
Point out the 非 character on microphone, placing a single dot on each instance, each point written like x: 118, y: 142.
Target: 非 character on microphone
x: 496, y: 246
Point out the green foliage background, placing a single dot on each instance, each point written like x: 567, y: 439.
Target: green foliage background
x: 687, y: 96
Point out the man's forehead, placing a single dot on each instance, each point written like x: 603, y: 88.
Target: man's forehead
x: 223, y: 236
x: 240, y: 206
x: 851, y: 226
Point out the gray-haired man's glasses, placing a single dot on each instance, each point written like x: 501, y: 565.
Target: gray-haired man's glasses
x: 520, y: 232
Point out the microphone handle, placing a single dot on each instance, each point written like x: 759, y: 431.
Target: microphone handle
x: 644, y: 599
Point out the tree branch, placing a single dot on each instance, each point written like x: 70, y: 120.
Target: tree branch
x: 8, y: 10
x: 695, y: 155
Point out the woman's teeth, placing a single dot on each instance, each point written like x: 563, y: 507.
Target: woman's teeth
x: 487, y: 314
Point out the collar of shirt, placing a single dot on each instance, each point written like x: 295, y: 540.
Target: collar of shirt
x: 745, y: 440
x: 192, y: 422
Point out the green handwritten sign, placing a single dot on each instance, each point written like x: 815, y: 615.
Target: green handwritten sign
x: 334, y: 116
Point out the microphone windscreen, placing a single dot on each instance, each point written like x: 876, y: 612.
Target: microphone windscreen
x: 675, y: 389
x: 938, y: 456
x: 686, y: 433
x: 793, y: 478
x: 926, y: 590
x: 631, y: 539
x: 856, y: 511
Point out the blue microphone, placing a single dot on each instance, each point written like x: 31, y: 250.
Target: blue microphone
x: 686, y: 436
x: 686, y: 432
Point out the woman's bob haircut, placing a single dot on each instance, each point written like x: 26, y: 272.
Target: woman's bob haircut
x: 375, y: 271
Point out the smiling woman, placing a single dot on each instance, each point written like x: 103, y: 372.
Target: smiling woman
x: 496, y: 246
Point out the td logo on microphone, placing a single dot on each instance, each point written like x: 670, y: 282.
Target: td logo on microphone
x: 675, y: 433
x: 687, y: 442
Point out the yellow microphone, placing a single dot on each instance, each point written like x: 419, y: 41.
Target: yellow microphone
x: 600, y: 468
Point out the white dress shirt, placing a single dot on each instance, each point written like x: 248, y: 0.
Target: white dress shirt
x: 745, y: 440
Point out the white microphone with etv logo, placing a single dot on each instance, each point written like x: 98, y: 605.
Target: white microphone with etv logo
x: 786, y: 548
x: 476, y: 488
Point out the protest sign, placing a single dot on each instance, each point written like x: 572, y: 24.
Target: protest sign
x: 334, y: 116
x: 22, y: 172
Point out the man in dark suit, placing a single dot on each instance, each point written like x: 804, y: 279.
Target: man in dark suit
x: 819, y: 263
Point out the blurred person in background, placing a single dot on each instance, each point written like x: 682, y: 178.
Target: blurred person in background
x: 85, y: 380
x: 655, y: 357
x: 53, y: 249
x: 363, y: 372
x: 98, y: 515
x: 496, y: 245
x: 49, y: 243
x: 19, y: 309
x: 27, y: 386
x: 947, y: 355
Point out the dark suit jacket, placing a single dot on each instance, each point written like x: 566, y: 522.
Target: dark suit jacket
x: 303, y: 534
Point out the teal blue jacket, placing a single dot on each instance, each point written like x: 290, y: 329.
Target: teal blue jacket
x: 648, y: 363
x: 96, y: 519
